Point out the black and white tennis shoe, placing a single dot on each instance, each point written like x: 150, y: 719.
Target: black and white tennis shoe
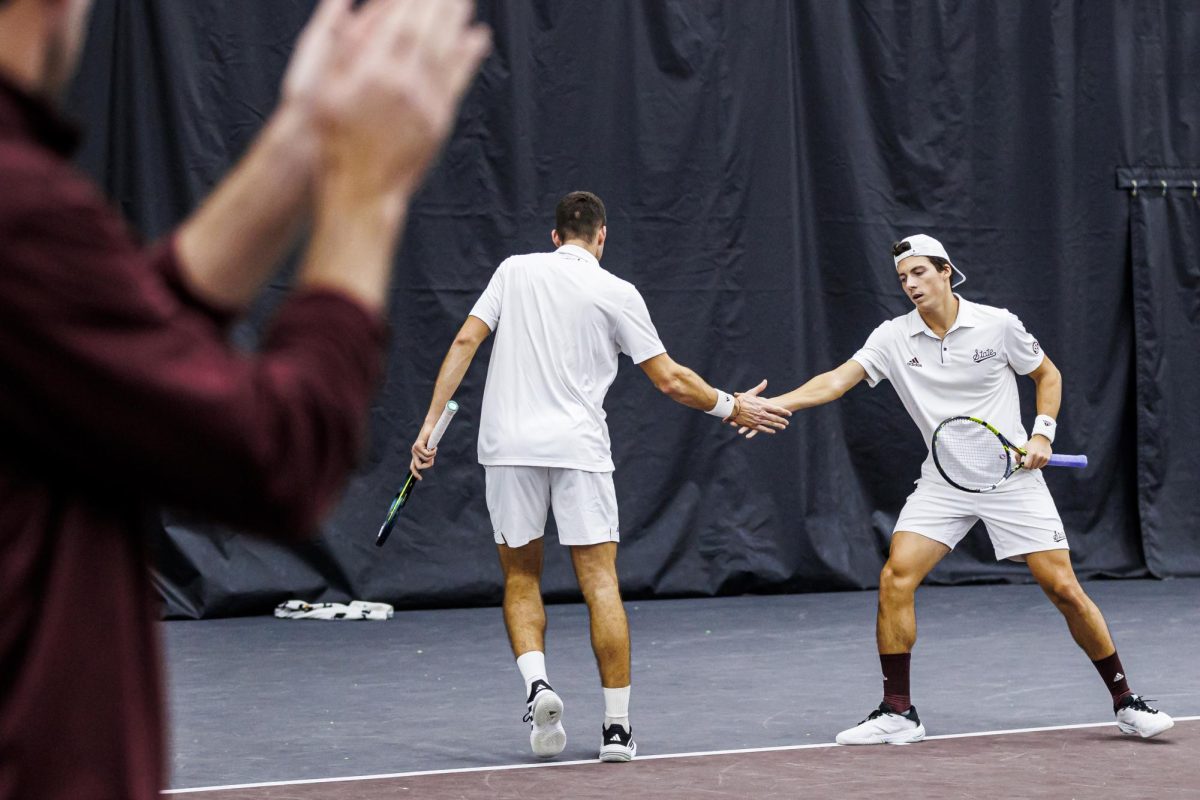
x: 544, y: 715
x: 1135, y: 718
x: 617, y: 743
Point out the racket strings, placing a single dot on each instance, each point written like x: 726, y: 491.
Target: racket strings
x: 970, y: 455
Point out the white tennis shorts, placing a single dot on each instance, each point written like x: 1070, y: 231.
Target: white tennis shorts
x: 585, y: 505
x: 1020, y: 515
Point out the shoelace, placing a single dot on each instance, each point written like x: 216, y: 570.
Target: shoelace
x: 876, y: 714
x: 1138, y: 703
x: 879, y: 712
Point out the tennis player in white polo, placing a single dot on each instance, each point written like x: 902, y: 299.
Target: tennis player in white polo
x: 950, y: 357
x: 560, y: 322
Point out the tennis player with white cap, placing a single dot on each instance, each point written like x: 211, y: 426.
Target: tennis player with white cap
x: 949, y: 357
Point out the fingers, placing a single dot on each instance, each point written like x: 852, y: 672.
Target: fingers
x: 1033, y: 457
x: 758, y: 418
x: 323, y: 25
x: 392, y: 27
x: 756, y: 389
x: 315, y: 49
x: 422, y: 458
x: 460, y: 63
x: 753, y: 404
x: 360, y: 29
x: 473, y: 47
x: 404, y: 66
x: 328, y: 16
x: 441, y: 24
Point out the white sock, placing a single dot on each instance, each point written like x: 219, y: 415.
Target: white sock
x: 616, y: 706
x: 533, y: 668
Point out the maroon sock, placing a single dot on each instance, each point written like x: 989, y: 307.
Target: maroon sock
x: 895, y: 680
x: 1113, y: 676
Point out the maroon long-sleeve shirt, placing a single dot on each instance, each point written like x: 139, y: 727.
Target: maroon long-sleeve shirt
x: 119, y: 392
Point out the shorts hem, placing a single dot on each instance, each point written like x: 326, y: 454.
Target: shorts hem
x: 1019, y: 555
x: 612, y: 535
x: 572, y: 541
x: 549, y: 463
x: 501, y: 539
x: 928, y: 536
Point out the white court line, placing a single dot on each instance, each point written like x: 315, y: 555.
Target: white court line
x: 698, y: 754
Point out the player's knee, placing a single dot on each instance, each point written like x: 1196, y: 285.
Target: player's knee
x: 599, y: 586
x: 1066, y: 593
x: 896, y: 582
x: 518, y: 582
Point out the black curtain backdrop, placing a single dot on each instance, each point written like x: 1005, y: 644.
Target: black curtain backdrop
x: 757, y: 159
x: 1164, y: 229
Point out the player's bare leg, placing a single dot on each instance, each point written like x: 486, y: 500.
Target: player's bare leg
x: 1053, y: 571
x: 525, y: 619
x: 524, y: 614
x: 596, y: 570
x: 910, y: 559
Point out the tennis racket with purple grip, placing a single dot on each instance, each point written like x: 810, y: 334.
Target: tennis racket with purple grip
x: 975, y: 457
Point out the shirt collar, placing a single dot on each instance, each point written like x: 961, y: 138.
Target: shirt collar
x: 967, y: 318
x: 26, y: 116
x: 575, y: 251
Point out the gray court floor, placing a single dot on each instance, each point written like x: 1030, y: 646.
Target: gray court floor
x: 260, y: 699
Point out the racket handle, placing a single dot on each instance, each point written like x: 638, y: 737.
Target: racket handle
x: 448, y: 413
x: 1068, y: 461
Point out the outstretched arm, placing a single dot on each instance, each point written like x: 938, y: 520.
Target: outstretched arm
x: 454, y: 367
x: 687, y: 388
x: 824, y: 388
x: 1048, y: 381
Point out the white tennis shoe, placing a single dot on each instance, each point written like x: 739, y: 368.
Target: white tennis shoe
x: 885, y: 726
x: 546, y: 734
x: 1135, y: 718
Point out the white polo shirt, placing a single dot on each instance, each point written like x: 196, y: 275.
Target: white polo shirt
x: 971, y: 372
x: 560, y: 321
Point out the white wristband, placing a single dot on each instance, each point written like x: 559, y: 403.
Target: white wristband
x: 724, y: 406
x: 1044, y: 426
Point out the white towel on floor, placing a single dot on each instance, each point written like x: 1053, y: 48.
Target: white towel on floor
x: 355, y: 609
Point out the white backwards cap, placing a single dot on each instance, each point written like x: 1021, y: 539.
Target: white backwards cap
x: 922, y: 245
